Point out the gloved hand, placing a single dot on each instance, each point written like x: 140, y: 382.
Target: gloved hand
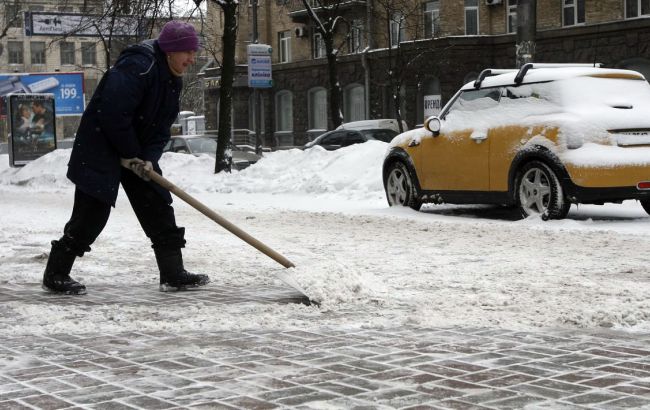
x: 139, y: 167
x: 142, y: 169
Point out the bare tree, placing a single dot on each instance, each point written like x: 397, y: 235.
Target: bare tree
x: 225, y: 49
x: 328, y: 19
x: 400, y: 18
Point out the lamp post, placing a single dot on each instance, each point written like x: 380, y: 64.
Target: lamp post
x: 257, y: 98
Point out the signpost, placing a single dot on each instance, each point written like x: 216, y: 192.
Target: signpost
x: 259, y: 76
x: 259, y: 66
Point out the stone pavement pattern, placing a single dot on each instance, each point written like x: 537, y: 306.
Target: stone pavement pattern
x: 401, y: 367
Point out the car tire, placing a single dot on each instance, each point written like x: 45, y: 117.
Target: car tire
x: 400, y: 187
x: 539, y: 192
x: 645, y: 203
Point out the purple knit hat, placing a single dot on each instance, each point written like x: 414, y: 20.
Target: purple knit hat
x: 178, y: 36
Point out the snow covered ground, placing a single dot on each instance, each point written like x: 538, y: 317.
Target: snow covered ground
x: 368, y: 264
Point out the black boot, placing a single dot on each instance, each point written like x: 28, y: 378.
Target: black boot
x: 173, y: 275
x: 56, y: 277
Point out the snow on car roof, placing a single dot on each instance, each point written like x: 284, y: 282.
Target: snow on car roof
x: 537, y: 75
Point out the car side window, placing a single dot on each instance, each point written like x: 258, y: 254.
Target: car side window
x: 352, y: 137
x: 332, y: 139
x: 179, y: 145
x: 476, y: 100
x: 168, y: 146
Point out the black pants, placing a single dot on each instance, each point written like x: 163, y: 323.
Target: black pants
x: 89, y: 217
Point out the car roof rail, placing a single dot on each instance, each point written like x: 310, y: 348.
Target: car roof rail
x: 519, y: 78
x: 489, y: 72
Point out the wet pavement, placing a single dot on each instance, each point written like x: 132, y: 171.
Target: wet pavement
x: 401, y: 367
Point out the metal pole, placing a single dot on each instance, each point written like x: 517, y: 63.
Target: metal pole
x: 256, y: 92
x: 526, y: 30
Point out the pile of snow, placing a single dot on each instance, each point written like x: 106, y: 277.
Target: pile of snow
x: 352, y: 172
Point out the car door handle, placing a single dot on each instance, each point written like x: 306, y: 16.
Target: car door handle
x: 478, y: 137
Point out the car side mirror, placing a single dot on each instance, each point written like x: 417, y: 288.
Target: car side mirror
x: 433, y: 124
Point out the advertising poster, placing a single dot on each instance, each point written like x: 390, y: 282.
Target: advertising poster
x: 67, y: 89
x: 32, y: 128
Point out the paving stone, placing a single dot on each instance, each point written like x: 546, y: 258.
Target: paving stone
x: 306, y: 398
x: 112, y: 405
x: 275, y: 395
x: 13, y: 405
x: 518, y: 402
x: 15, y: 394
x: 339, y: 389
x: 539, y: 391
x: 626, y: 403
x: 461, y: 405
x: 46, y: 402
x: 559, y: 385
x: 593, y: 398
x: 399, y: 367
x: 148, y: 402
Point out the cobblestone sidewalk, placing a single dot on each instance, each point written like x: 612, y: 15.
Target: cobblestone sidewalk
x: 458, y: 368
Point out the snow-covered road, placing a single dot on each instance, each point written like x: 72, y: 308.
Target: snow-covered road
x: 369, y: 265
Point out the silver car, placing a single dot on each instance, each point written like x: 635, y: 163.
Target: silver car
x: 198, y: 144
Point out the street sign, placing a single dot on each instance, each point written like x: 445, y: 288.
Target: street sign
x: 259, y: 66
x: 40, y: 23
x: 432, y: 105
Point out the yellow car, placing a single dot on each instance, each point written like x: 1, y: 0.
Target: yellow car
x: 541, y: 138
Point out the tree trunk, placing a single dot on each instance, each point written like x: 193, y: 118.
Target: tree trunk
x: 334, y: 86
x: 223, y: 160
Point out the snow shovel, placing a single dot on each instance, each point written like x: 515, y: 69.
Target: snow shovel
x: 194, y: 203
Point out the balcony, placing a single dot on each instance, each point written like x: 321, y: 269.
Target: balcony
x: 298, y: 12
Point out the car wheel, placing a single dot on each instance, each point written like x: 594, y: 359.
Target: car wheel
x: 539, y: 192
x: 645, y: 203
x: 400, y: 187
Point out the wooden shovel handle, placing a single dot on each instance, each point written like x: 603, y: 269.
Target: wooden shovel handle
x: 160, y: 180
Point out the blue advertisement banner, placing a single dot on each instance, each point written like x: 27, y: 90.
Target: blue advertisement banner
x: 66, y: 87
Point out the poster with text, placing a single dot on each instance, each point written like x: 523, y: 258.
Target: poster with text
x: 32, y: 128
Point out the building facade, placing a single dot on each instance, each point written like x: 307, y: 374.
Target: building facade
x: 36, y: 54
x: 420, y: 51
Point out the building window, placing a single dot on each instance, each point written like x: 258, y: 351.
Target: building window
x: 88, y: 54
x: 573, y: 12
x: 67, y: 53
x: 284, y: 111
x: 317, y: 109
x: 636, y: 8
x: 36, y: 8
x: 431, y: 11
x: 284, y: 45
x: 355, y: 40
x: 512, y: 16
x: 13, y: 16
x: 15, y: 52
x: 397, y: 29
x: 37, y: 52
x: 471, y: 17
x: 354, y: 103
x: 65, y: 9
x: 318, y: 45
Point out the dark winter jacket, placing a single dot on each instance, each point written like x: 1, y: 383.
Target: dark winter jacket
x: 129, y: 116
